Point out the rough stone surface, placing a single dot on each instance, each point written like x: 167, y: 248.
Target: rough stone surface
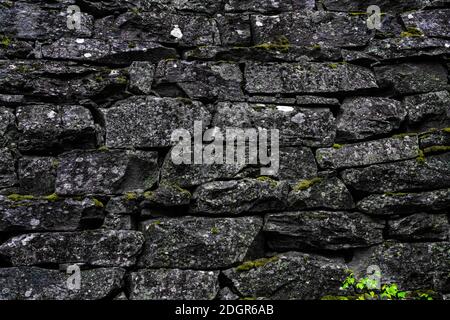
x: 420, y: 227
x: 109, y: 172
x: 367, y: 153
x: 321, y: 230
x: 96, y: 248
x: 430, y: 110
x: 174, y: 284
x: 405, y: 203
x: 365, y: 117
x: 32, y: 283
x: 434, y: 173
x: 37, y: 175
x: 197, y: 243
x: 8, y: 176
x: 292, y: 276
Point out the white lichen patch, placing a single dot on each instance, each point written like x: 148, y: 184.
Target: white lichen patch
x: 87, y: 55
x: 176, y: 32
x: 79, y: 41
x: 285, y: 108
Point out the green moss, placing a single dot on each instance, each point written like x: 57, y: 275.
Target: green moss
x: 131, y: 45
x: 316, y: 47
x: 121, y: 80
x: 103, y: 148
x: 98, y: 203
x: 99, y: 79
x: 7, y: 4
x: 5, y: 41
x: 403, y: 135
x: 333, y: 65
x: 136, y: 10
x: 337, y: 146
x: 214, y: 230
x: 23, y: 68
x: 273, y: 183
x: 306, y: 184
x: 357, y: 13
x: 280, y: 44
x: 248, y: 265
x: 248, y: 298
x: 411, y: 32
x: 446, y: 130
x: 131, y: 196
x: 335, y: 298
x: 421, y: 157
x: 177, y: 187
x: 434, y: 149
x: 149, y: 195
x: 20, y: 197
x: 52, y: 198
x: 55, y: 163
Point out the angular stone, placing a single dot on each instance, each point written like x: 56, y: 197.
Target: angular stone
x: 267, y: 6
x: 292, y: 275
x: 117, y: 222
x: 435, y: 138
x: 45, y: 214
x: 308, y: 28
x: 204, y: 6
x: 105, y: 248
x: 235, y: 197
x: 296, y: 163
x: 410, y: 78
x: 7, y: 123
x: 315, y: 101
x: 110, y: 51
x: 197, y: 243
x: 321, y: 193
x: 428, y: 110
x: 191, y: 175
x: 122, y: 205
x: 367, y: 153
x: 234, y: 30
x: 37, y: 175
x: 210, y: 80
x: 106, y: 172
x: 433, y: 173
x: 297, y: 126
x: 323, y: 230
x: 167, y: 195
x: 8, y: 177
x: 141, y: 77
x: 163, y: 26
x: 412, y: 266
x: 15, y: 49
x: 307, y: 78
x: 407, y: 47
x: 131, y: 122
x: 364, y: 117
x: 33, y: 21
x: 174, y: 284
x: 433, y: 23
x: 420, y: 227
x: 47, y: 127
x: 406, y: 203
x: 31, y: 283
x: 362, y: 5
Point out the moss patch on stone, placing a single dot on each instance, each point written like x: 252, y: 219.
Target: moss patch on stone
x: 98, y: 203
x: 20, y: 197
x: 421, y: 157
x: 435, y: 149
x: 273, y: 183
x: 248, y: 265
x: 411, y: 32
x: 306, y: 184
x: 337, y: 146
x: 52, y: 198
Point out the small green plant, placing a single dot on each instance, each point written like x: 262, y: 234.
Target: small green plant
x: 421, y: 157
x: 52, y: 198
x: 337, y: 146
x: 5, y: 41
x: 131, y: 196
x: 306, y: 184
x: 333, y: 65
x: 214, y: 230
x: 98, y: 203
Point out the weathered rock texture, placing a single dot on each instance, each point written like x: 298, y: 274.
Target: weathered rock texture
x: 87, y: 177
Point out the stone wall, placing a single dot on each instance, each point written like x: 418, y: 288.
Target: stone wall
x: 86, y: 176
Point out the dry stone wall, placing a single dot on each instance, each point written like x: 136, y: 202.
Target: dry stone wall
x: 86, y: 176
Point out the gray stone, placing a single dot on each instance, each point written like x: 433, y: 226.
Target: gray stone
x: 211, y: 80
x: 420, y: 227
x: 432, y: 173
x: 235, y: 197
x: 8, y: 177
x: 167, y: 195
x: 385, y: 5
x: 324, y: 230
x: 428, y: 110
x: 31, y: 283
x: 122, y: 205
x: 106, y: 172
x: 131, y: 122
x: 37, y: 175
x: 307, y: 78
x: 197, y: 243
x: 433, y: 23
x: 47, y: 127
x: 7, y: 123
x: 45, y: 214
x: 315, y: 101
x: 367, y: 153
x: 307, y: 28
x: 296, y: 163
x: 110, y: 51
x: 234, y: 30
x: 297, y: 126
x: 406, y: 203
x: 435, y: 138
x: 365, y: 117
x: 267, y: 5
x: 412, y: 266
x: 410, y: 78
x: 174, y: 284
x: 227, y: 294
x: 117, y: 222
x: 105, y: 248
x: 292, y: 275
x: 141, y: 77
x: 321, y: 193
